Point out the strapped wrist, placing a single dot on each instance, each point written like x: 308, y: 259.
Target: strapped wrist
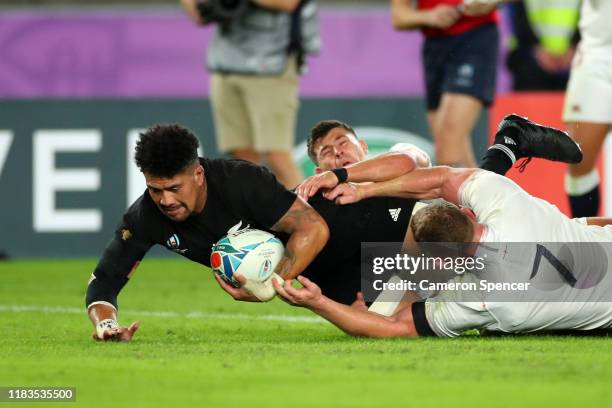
x: 103, y: 325
x: 341, y: 173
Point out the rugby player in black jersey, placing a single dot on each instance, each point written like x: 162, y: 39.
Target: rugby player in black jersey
x: 190, y: 203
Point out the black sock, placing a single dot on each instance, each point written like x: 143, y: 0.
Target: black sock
x: 585, y: 205
x: 496, y: 161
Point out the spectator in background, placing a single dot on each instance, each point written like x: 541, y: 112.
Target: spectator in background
x: 257, y: 52
x: 460, y: 67
x: 588, y: 103
x: 545, y: 34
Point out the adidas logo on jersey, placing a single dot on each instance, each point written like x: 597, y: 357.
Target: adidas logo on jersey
x: 509, y: 141
x: 395, y: 212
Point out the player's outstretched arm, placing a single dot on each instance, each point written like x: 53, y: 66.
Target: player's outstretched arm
x: 388, y: 166
x: 308, y: 235
x: 436, y: 182
x: 599, y: 221
x: 351, y: 320
x: 115, y: 268
x: 383, y: 167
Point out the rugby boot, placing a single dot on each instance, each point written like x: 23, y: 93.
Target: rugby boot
x: 525, y: 138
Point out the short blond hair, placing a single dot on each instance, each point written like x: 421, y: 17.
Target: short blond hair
x: 441, y: 222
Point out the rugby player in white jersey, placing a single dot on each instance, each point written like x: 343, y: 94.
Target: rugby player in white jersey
x: 495, y: 210
x: 501, y: 211
x: 588, y: 100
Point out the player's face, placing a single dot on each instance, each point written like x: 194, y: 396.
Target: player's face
x: 180, y: 196
x: 339, y: 148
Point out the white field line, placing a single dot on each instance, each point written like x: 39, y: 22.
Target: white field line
x: 172, y: 315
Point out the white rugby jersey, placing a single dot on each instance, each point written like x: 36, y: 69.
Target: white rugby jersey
x: 512, y: 215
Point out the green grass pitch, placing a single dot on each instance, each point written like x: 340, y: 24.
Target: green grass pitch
x: 198, y: 347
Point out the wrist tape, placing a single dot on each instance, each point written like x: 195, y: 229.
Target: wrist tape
x: 341, y: 173
x: 106, y: 324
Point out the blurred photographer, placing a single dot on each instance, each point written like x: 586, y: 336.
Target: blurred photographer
x: 255, y: 57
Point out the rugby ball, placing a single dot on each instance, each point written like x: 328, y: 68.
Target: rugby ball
x: 251, y: 253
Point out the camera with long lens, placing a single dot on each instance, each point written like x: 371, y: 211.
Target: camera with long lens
x: 221, y: 11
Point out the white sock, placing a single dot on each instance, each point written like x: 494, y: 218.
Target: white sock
x: 576, y: 186
x: 506, y: 150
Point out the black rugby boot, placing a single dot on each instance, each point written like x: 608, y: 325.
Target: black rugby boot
x: 525, y: 138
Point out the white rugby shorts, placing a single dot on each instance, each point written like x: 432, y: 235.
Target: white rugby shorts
x: 589, y: 91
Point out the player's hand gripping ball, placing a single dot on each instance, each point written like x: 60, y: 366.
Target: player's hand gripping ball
x: 251, y: 253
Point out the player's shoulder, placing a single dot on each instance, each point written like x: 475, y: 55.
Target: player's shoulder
x: 323, y: 206
x: 229, y: 166
x: 493, y: 197
x: 234, y: 173
x: 487, y: 176
x: 481, y: 179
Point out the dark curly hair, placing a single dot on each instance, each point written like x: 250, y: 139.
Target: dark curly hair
x: 320, y: 130
x: 165, y: 150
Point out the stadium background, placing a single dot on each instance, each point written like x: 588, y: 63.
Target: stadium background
x: 77, y: 81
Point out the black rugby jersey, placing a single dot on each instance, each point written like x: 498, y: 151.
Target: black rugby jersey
x: 237, y: 192
x: 337, y: 269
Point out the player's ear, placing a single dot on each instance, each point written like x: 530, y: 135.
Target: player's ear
x: 318, y: 170
x: 469, y: 213
x: 199, y: 175
x: 364, y: 145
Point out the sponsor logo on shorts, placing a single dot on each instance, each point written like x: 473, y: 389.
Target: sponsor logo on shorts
x: 465, y: 76
x: 466, y: 71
